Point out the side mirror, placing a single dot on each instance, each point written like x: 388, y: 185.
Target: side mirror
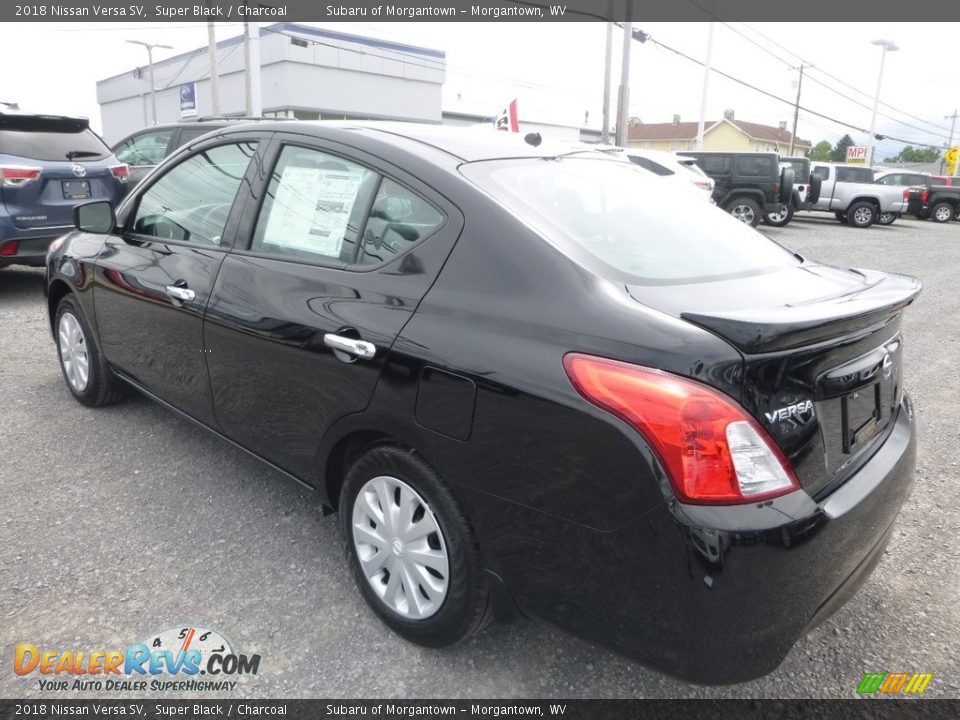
x: 95, y: 217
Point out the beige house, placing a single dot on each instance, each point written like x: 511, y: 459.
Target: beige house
x: 726, y: 134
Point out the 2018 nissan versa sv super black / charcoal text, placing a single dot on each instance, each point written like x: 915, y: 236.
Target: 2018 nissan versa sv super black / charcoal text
x: 526, y: 377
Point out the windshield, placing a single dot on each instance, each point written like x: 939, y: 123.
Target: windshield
x: 626, y: 224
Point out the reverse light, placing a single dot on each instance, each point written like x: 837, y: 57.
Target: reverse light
x: 714, y: 453
x: 8, y: 249
x: 17, y: 176
x: 121, y: 172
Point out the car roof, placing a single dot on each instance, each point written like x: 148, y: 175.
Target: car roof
x: 467, y: 144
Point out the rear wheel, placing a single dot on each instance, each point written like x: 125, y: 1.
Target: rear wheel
x: 88, y: 377
x: 941, y: 212
x: 887, y: 218
x: 745, y: 210
x: 862, y: 214
x: 412, y: 551
x: 780, y: 218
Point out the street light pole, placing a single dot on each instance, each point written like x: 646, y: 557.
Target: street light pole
x: 796, y: 110
x: 153, y: 95
x: 892, y: 47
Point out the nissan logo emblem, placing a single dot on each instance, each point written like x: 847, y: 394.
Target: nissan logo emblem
x: 887, y: 366
x: 79, y: 170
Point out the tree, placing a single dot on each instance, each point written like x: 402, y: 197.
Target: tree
x: 839, y: 153
x: 821, y: 151
x: 911, y: 154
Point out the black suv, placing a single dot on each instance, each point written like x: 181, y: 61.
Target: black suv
x: 144, y: 149
x: 749, y: 185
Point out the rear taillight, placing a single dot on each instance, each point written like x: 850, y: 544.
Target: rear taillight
x: 9, y: 248
x: 714, y: 453
x: 120, y: 172
x: 906, y: 195
x: 15, y: 175
x: 703, y: 184
x: 776, y: 188
x: 924, y: 196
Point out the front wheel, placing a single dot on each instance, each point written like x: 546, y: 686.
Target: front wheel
x: 887, y: 218
x: 941, y: 212
x: 745, y: 210
x: 780, y: 218
x: 87, y: 374
x: 862, y: 214
x: 412, y: 550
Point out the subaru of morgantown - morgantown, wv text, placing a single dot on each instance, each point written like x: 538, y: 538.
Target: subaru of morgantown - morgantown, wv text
x: 529, y: 377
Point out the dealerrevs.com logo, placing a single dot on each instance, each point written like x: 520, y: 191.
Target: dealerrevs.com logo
x: 172, y: 660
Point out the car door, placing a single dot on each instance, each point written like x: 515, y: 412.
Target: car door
x: 340, y: 251
x: 154, y: 277
x: 143, y: 151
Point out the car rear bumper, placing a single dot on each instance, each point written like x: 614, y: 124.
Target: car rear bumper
x: 719, y: 595
x: 29, y: 250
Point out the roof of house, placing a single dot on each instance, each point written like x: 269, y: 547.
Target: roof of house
x: 688, y: 131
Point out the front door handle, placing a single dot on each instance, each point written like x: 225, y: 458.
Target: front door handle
x: 358, y: 348
x: 182, y: 294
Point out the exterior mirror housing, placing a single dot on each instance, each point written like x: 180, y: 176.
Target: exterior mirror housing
x: 95, y: 217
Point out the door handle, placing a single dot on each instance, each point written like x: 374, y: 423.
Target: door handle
x: 358, y: 348
x: 182, y: 294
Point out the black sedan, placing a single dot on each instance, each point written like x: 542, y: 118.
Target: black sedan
x: 526, y: 376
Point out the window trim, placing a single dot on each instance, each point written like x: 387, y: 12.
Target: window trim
x: 243, y: 245
x: 228, y: 238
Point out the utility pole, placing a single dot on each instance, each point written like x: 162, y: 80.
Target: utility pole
x: 251, y: 56
x: 623, y: 109
x: 706, y: 78
x: 953, y: 125
x: 153, y: 86
x: 607, y: 72
x: 796, y: 110
x: 214, y: 74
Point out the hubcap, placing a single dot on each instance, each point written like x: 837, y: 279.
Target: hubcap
x: 780, y: 215
x: 73, y: 352
x: 886, y: 218
x: 862, y: 216
x: 743, y: 213
x: 400, y: 547
x: 944, y: 213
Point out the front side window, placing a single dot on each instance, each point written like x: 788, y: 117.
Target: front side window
x: 192, y: 201
x: 624, y: 223
x: 823, y: 171
x: 145, y: 149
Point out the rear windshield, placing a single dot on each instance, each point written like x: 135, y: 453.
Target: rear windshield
x: 40, y: 145
x: 626, y: 224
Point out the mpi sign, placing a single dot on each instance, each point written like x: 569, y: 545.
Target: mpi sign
x: 859, y: 155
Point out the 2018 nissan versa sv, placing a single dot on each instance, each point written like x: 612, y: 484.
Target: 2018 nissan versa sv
x: 519, y: 373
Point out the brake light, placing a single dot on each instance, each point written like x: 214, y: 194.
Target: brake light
x: 924, y: 196
x: 121, y: 172
x: 703, y: 184
x: 9, y: 248
x: 713, y: 451
x: 16, y: 176
x: 776, y: 188
x: 906, y: 195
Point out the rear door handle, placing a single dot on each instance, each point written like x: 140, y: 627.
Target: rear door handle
x: 182, y: 294
x: 358, y: 348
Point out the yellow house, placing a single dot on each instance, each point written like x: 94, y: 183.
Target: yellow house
x: 726, y: 134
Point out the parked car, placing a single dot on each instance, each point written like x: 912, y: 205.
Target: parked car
x: 748, y: 185
x: 526, y: 377
x: 850, y: 193
x: 145, y: 149
x: 677, y: 169
x: 48, y: 164
x: 806, y: 191
x: 939, y: 201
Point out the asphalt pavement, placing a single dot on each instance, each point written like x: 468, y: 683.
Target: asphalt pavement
x: 121, y: 522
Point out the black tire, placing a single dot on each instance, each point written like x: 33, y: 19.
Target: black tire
x: 813, y: 192
x: 786, y: 184
x: 779, y: 219
x: 862, y: 214
x: 745, y: 210
x: 941, y: 212
x: 841, y: 217
x: 102, y: 386
x: 467, y: 607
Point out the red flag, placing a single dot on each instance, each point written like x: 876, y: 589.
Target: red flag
x: 507, y: 120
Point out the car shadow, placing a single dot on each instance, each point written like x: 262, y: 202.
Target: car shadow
x: 21, y: 281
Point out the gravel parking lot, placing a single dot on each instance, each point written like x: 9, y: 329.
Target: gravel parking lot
x: 121, y: 522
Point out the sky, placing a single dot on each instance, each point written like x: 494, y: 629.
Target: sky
x: 555, y: 70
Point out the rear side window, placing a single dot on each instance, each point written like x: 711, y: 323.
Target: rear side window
x: 648, y: 164
x: 759, y: 166
x: 147, y: 148
x: 192, y: 201
x: 623, y: 224
x: 716, y: 164
x: 53, y: 146
x: 399, y: 219
x: 315, y: 206
x: 854, y: 175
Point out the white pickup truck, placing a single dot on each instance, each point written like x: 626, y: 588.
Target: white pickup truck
x: 850, y: 193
